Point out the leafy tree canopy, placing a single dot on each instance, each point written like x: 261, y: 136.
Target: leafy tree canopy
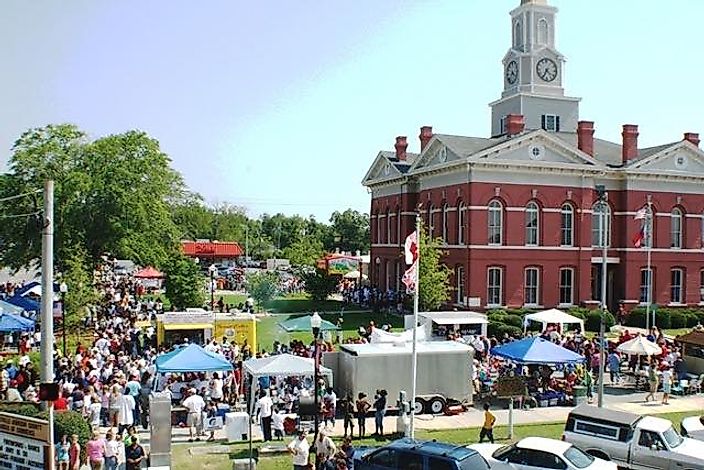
x: 433, y: 275
x: 262, y: 286
x: 184, y: 283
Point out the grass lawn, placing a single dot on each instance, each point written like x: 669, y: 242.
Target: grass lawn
x: 182, y: 459
x: 268, y: 329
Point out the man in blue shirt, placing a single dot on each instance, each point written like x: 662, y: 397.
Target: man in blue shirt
x: 11, y: 369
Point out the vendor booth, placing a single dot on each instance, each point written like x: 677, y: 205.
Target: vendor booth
x: 552, y: 317
x: 150, y: 277
x: 439, y: 324
x: 236, y: 327
x: 693, y: 350
x: 175, y: 327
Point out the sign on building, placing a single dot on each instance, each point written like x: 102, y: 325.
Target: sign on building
x: 23, y: 442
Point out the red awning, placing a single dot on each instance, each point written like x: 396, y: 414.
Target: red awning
x: 149, y: 273
x: 212, y: 249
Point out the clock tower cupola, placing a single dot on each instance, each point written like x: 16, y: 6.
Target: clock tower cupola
x: 533, y: 74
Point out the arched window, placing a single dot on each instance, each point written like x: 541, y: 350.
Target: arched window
x: 388, y: 226
x: 532, y: 221
x: 676, y: 228
x: 445, y: 234
x: 531, y: 287
x: 431, y: 222
x: 566, y: 225
x: 601, y: 222
x: 460, y: 284
x: 461, y: 223
x: 517, y: 35
x: 543, y: 31
x: 495, y: 222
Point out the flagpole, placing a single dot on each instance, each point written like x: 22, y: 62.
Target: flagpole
x: 414, y: 355
x: 649, y: 241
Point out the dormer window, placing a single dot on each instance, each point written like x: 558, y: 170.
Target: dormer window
x: 550, y: 122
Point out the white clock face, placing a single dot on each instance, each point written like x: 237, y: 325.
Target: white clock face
x: 547, y: 69
x: 512, y: 72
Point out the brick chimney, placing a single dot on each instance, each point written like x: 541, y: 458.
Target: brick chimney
x: 629, y: 151
x: 515, y: 124
x: 692, y: 137
x: 585, y: 137
x: 401, y: 146
x: 426, y: 133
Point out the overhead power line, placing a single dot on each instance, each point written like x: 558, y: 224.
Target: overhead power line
x: 18, y: 196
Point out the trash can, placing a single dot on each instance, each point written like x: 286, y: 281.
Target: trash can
x: 237, y: 426
x: 244, y: 464
x: 580, y: 394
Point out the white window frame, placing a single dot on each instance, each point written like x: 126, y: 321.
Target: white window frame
x: 562, y: 287
x: 643, y: 294
x: 388, y: 226
x: 702, y: 232
x: 567, y: 233
x: 532, y: 232
x: 701, y: 286
x: 461, y: 223
x: 398, y: 226
x: 532, y: 289
x: 445, y: 232
x: 676, y: 219
x: 431, y: 223
x: 460, y: 284
x: 493, y: 291
x: 547, y: 118
x: 677, y: 290
x: 378, y: 228
x: 494, y: 210
x: 598, y: 217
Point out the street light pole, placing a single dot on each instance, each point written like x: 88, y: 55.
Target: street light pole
x: 601, y: 192
x: 315, y: 323
x: 212, y: 270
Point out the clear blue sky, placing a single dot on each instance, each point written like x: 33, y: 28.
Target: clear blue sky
x: 283, y: 105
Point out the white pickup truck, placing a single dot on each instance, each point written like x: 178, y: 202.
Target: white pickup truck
x: 632, y: 441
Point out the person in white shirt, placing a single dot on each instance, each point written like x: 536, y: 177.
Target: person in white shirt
x: 265, y: 407
x: 216, y: 388
x: 277, y: 424
x: 300, y: 449
x: 195, y: 404
x: 324, y: 448
x: 112, y: 451
x: 125, y: 414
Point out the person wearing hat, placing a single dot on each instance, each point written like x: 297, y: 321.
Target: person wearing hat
x: 195, y: 404
x: 300, y: 449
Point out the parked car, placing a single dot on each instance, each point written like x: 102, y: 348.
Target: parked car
x: 533, y: 453
x: 693, y: 427
x: 632, y: 441
x: 408, y: 454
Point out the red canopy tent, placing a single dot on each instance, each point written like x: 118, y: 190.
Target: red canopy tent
x: 149, y: 273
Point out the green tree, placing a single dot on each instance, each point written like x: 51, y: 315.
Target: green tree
x: 433, y: 275
x: 184, y: 283
x: 318, y: 284
x: 262, y: 286
x: 81, y: 293
x: 304, y: 252
x: 350, y: 231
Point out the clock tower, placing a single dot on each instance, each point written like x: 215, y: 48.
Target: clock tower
x: 533, y: 74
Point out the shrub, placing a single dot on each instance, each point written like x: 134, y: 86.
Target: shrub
x: 692, y: 319
x: 636, y: 317
x: 21, y: 408
x: 579, y: 312
x: 514, y: 320
x: 663, y: 318
x: 678, y: 319
x: 593, y: 320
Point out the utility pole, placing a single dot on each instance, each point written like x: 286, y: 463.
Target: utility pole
x: 47, y: 313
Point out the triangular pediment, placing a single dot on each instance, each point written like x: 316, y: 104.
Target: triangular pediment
x: 538, y: 147
x: 681, y: 158
x: 381, y: 169
x: 435, y: 154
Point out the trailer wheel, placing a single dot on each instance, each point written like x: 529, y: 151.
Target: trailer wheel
x: 419, y: 406
x: 436, y: 405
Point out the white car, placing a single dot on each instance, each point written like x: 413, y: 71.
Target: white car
x: 533, y: 453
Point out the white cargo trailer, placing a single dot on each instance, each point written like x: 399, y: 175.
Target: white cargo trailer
x: 444, y: 372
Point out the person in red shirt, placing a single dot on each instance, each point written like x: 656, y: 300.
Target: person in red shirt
x: 61, y: 403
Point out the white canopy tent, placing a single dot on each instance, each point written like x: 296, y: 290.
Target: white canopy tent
x: 553, y: 315
x: 281, y: 365
x: 449, y: 319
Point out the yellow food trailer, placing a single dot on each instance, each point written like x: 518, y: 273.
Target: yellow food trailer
x: 236, y: 327
x: 174, y: 327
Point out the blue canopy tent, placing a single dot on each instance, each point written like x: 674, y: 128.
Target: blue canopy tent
x: 11, y: 323
x: 536, y: 350
x: 24, y: 302
x: 6, y: 307
x: 191, y: 358
x: 33, y: 287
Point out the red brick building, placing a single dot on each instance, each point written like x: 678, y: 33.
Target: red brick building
x: 518, y: 211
